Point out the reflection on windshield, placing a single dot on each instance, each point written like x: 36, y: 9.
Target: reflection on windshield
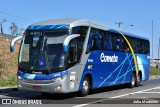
x: 55, y: 55
x: 43, y: 50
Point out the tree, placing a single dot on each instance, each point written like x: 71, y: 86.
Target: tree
x: 1, y: 25
x: 14, y: 29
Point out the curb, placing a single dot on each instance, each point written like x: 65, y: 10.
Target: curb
x: 154, y: 77
x: 8, y: 89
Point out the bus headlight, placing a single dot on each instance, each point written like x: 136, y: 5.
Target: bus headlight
x: 19, y: 77
x: 58, y: 78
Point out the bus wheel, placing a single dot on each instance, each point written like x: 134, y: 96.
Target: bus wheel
x: 85, y: 87
x: 138, y: 80
x: 133, y: 80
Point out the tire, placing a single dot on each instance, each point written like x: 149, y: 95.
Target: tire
x: 133, y: 81
x: 85, y: 87
x: 138, y: 80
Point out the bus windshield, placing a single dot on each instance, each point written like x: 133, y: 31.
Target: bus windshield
x: 43, y: 50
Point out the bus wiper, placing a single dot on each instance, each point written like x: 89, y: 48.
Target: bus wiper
x: 46, y: 58
x: 37, y: 51
x: 44, y: 40
x: 44, y: 44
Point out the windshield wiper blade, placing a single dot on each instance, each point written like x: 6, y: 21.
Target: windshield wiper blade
x: 46, y: 58
x: 43, y: 44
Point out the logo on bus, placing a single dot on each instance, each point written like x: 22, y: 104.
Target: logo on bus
x: 105, y: 58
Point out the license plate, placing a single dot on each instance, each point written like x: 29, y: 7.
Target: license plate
x: 37, y: 87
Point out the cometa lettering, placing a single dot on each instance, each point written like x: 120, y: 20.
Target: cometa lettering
x: 105, y: 58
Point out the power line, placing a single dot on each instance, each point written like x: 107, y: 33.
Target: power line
x: 16, y: 16
x: 14, y: 20
x: 4, y: 17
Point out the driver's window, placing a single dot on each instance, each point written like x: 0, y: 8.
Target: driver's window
x: 72, y: 55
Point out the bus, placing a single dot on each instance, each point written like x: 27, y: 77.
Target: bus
x: 77, y: 55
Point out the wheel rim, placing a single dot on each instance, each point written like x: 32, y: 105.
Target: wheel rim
x: 138, y: 79
x: 133, y: 80
x: 85, y: 86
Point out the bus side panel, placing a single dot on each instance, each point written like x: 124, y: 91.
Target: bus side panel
x: 144, y: 65
x: 72, y: 79
x: 109, y: 68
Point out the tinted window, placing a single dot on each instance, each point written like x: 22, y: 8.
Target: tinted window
x: 145, y: 47
x: 139, y: 45
x: 76, y: 45
x: 73, y: 51
x: 117, y: 42
x: 94, y: 42
x: 100, y: 39
x: 106, y: 40
x: 82, y: 30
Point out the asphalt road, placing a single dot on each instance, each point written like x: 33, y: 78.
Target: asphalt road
x: 147, y: 95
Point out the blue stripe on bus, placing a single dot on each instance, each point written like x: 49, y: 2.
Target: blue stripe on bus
x: 42, y: 76
x: 40, y: 27
x: 12, y: 48
x: 65, y: 48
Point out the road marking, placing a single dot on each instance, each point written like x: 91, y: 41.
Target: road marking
x: 81, y: 105
x: 135, y: 92
x: 117, y: 96
x: 151, y: 92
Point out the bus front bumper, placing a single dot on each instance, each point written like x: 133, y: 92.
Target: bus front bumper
x: 48, y: 86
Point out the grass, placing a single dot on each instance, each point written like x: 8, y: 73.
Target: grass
x: 154, y: 71
x: 10, y: 82
x: 8, y: 64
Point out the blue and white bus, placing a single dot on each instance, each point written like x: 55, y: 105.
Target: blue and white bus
x: 70, y: 55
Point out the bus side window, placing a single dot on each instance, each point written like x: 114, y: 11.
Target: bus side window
x: 94, y: 41
x: 82, y: 30
x: 125, y: 46
x: 139, y: 46
x: 89, y: 46
x: 117, y: 42
x: 107, y: 44
x: 114, y: 42
x: 98, y: 39
x: 133, y: 43
x: 145, y: 47
x: 120, y: 42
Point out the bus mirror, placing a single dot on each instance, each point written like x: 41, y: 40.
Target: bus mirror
x: 13, y: 42
x: 67, y: 40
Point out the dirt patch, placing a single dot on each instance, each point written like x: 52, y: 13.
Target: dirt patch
x: 8, y: 60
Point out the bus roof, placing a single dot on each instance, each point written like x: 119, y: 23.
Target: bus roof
x: 69, y: 21
x: 72, y: 22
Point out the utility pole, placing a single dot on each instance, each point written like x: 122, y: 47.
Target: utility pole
x: 119, y: 24
x: 1, y: 25
x: 159, y: 57
x: 152, y: 41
